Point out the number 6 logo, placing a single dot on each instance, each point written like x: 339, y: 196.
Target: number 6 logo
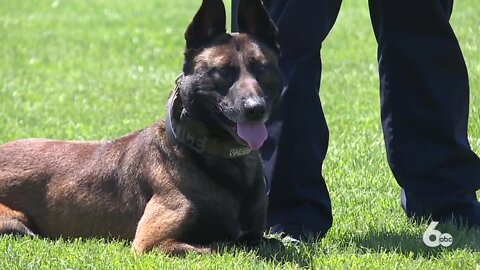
x: 444, y: 239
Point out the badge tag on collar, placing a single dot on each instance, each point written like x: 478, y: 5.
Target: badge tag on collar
x: 238, y: 152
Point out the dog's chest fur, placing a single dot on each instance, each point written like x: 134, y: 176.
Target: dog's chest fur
x: 216, y: 190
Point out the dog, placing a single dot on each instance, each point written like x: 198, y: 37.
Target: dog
x: 180, y: 185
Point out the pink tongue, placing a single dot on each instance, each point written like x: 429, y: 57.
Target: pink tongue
x: 254, y: 133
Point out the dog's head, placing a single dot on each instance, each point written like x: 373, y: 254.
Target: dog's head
x: 232, y: 81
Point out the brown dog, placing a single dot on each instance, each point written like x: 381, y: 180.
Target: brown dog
x: 178, y: 185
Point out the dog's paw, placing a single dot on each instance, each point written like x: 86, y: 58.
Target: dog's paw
x: 255, y: 242
x: 272, y: 243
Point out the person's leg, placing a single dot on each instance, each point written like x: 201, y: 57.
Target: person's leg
x: 424, y: 97
x: 299, y: 203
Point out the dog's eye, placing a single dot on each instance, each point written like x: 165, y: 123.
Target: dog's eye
x: 259, y: 67
x: 262, y: 67
x: 221, y: 72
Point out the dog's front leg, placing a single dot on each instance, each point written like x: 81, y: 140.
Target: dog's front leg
x: 253, y: 215
x: 159, y: 229
x: 253, y: 221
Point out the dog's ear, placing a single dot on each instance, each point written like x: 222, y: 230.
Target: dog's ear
x: 208, y: 23
x: 253, y: 18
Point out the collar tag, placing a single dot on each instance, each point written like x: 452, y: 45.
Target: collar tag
x: 238, y: 152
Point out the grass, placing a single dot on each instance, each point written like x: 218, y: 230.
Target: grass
x: 93, y: 70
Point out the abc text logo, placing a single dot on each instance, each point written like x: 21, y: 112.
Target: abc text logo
x: 434, y: 238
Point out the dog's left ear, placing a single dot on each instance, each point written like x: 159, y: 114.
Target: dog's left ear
x: 253, y: 18
x: 208, y: 23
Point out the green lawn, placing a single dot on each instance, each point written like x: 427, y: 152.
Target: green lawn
x: 98, y: 69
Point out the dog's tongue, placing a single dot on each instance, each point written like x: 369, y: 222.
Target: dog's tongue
x: 254, y: 133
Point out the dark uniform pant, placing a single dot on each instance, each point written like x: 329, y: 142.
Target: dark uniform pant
x: 424, y: 95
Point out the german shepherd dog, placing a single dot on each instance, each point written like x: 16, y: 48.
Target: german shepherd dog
x: 179, y: 185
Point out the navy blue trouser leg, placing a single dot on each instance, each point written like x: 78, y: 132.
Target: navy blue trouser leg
x: 298, y: 133
x: 424, y: 108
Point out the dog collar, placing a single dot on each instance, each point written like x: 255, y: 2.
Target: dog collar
x: 181, y: 128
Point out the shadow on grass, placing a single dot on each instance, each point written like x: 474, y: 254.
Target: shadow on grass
x: 274, y: 250
x: 302, y: 254
x: 408, y: 243
x: 405, y: 243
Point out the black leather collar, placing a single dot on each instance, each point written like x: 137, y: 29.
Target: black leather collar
x: 181, y: 128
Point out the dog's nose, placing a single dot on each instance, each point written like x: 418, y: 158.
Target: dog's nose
x: 255, y: 109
